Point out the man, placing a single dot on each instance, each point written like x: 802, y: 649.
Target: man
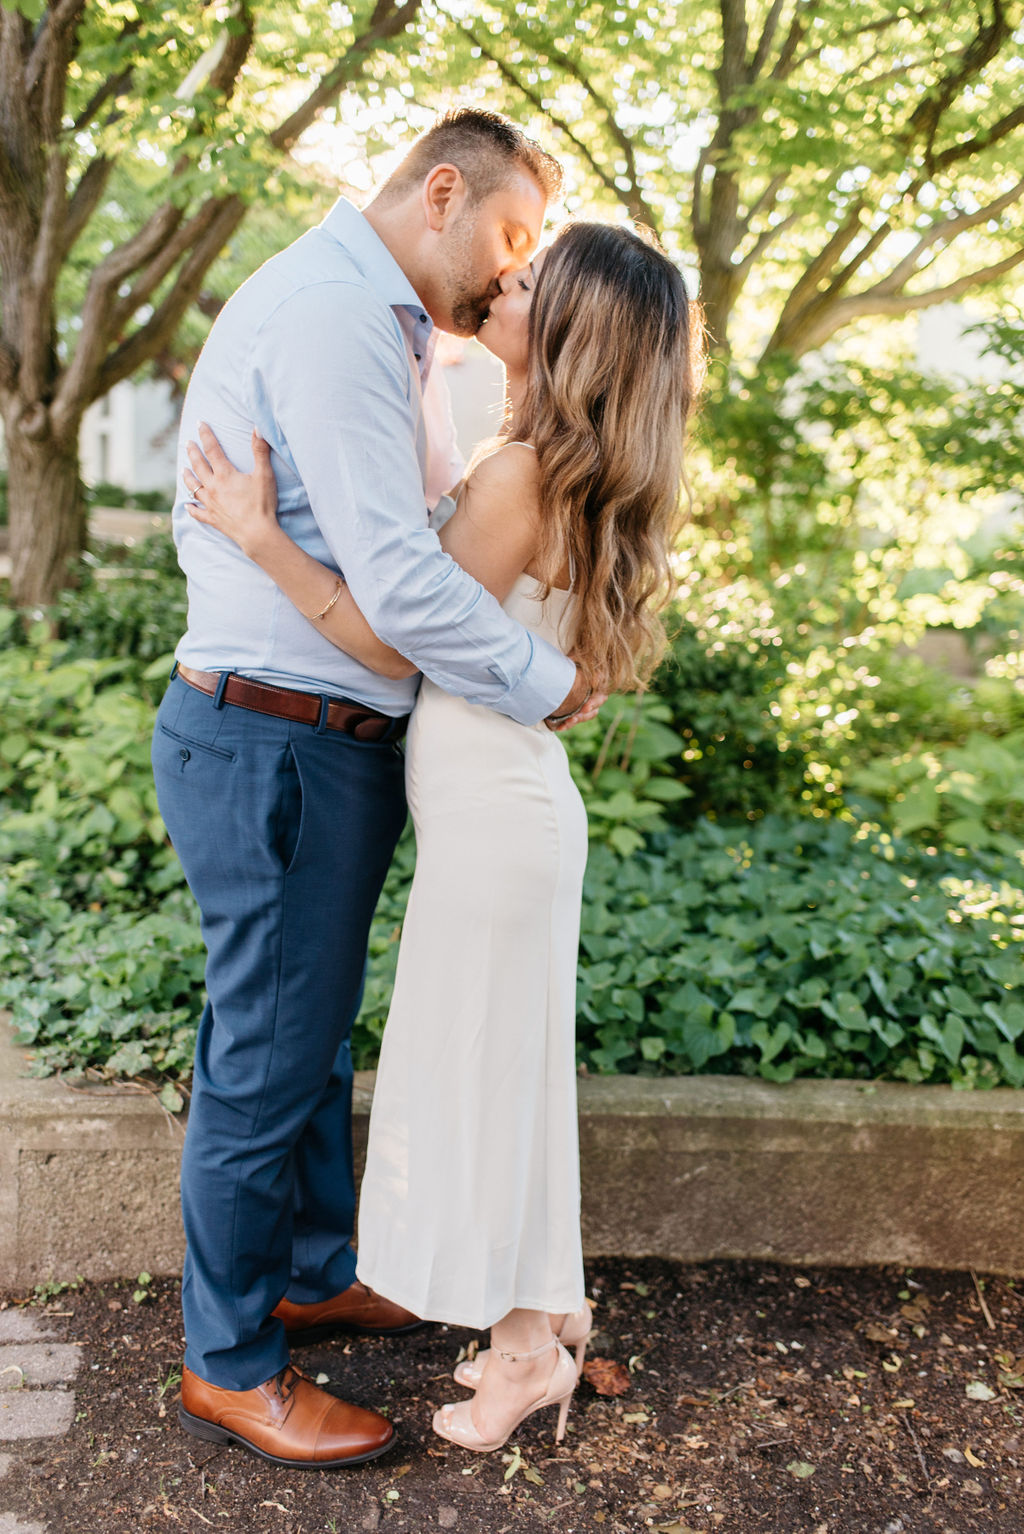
x: 276, y: 762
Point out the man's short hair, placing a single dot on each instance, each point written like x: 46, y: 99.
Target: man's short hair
x: 485, y: 147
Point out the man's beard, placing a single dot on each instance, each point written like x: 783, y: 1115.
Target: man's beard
x: 469, y: 310
x: 469, y: 307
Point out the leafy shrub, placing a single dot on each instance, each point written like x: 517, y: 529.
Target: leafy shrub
x: 120, y: 993
x: 790, y: 946
x: 79, y: 805
x: 968, y: 796
x: 722, y: 682
x: 794, y: 947
x: 623, y: 764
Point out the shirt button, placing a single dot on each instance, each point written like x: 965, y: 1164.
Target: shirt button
x: 184, y: 754
x: 417, y: 356
x: 423, y: 319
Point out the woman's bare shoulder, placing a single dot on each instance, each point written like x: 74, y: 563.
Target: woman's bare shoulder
x: 507, y: 478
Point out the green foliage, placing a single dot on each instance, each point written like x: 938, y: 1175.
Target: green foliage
x: 723, y: 682
x: 104, y: 493
x: 129, y: 605
x: 796, y: 947
x: 793, y: 946
x: 116, y: 992
x: 622, y: 765
x: 968, y: 796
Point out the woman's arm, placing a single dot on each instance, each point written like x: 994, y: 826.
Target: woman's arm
x: 244, y: 508
x: 492, y: 534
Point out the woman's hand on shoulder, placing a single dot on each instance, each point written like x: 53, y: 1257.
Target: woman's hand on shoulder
x: 241, y: 506
x: 495, y: 530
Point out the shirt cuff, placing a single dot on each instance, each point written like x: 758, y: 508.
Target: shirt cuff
x: 542, y: 685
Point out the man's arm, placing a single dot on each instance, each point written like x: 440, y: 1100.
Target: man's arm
x: 332, y: 392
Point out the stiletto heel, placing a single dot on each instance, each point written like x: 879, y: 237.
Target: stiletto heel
x: 455, y: 1421
x: 563, y: 1416
x: 574, y: 1332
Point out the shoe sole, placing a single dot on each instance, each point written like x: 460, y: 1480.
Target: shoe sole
x: 309, y: 1334
x: 210, y: 1432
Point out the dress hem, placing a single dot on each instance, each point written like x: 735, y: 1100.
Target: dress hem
x: 408, y: 1301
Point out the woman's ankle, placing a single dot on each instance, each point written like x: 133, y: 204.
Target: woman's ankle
x: 521, y: 1333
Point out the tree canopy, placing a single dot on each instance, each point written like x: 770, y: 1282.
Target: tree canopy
x: 816, y: 163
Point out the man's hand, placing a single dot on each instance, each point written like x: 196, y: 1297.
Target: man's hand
x: 582, y: 703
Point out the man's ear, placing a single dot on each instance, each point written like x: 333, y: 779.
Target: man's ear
x: 443, y: 196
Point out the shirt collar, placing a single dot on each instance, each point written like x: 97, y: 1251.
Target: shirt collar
x: 375, y: 262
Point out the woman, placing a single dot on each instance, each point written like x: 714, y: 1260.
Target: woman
x: 470, y: 1201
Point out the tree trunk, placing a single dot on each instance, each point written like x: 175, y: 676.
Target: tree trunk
x: 46, y: 514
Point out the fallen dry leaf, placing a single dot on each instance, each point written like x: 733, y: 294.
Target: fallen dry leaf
x: 972, y: 1459
x: 607, y: 1377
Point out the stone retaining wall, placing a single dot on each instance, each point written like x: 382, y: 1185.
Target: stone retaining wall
x: 694, y: 1168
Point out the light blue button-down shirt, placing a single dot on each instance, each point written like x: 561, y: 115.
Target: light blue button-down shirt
x: 325, y: 350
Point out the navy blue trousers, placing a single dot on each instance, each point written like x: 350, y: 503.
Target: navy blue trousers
x: 285, y: 835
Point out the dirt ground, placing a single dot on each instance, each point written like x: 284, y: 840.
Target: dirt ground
x: 755, y: 1398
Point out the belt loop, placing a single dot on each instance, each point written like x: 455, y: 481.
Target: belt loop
x: 174, y: 672
x: 321, y: 724
x: 218, y: 697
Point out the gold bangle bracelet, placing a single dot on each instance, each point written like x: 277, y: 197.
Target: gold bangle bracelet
x: 338, y: 589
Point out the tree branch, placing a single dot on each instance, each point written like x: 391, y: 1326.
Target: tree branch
x: 986, y: 43
x: 113, y: 85
x: 158, y: 330
x: 65, y: 14
x: 637, y: 207
x: 85, y: 199
x: 983, y: 140
x: 768, y: 31
x: 386, y: 22
x: 225, y: 77
x: 806, y: 337
x: 814, y: 275
x: 763, y: 240
x: 166, y: 258
x: 78, y: 381
x: 946, y: 229
x: 846, y: 273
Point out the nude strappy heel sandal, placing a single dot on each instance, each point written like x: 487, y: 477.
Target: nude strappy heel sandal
x: 455, y: 1421
x: 574, y: 1332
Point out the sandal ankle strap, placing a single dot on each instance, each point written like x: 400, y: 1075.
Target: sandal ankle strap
x: 515, y: 1358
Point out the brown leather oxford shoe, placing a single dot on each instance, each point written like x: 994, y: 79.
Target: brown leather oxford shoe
x: 356, y: 1310
x: 288, y: 1420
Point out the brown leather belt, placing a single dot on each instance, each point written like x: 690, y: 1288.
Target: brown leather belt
x: 354, y: 719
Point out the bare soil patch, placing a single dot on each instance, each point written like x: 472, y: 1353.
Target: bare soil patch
x: 756, y: 1398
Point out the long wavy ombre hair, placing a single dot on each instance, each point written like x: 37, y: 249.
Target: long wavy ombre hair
x: 615, y: 365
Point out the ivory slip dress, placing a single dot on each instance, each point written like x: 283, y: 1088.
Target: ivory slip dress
x: 470, y: 1200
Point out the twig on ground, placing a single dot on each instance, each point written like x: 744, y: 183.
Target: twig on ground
x: 981, y: 1301
x: 920, y: 1457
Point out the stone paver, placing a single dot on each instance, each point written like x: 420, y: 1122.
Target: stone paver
x: 20, y: 1326
x: 10, y: 1523
x: 38, y: 1363
x: 32, y: 1358
x: 35, y: 1413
